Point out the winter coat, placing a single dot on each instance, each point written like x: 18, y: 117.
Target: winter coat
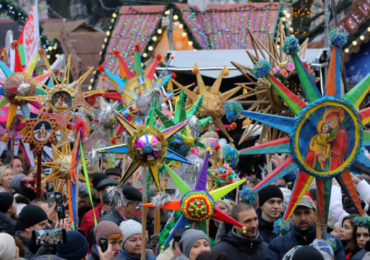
x: 112, y: 215
x: 238, y: 247
x: 7, y: 224
x: 359, y: 255
x: 124, y: 255
x: 27, y: 244
x: 88, y: 222
x: 266, y: 228
x: 94, y: 255
x: 280, y: 245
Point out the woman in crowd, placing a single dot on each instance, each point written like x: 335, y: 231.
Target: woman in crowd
x: 362, y: 236
x: 192, y: 243
x: 6, y: 175
x: 347, y: 236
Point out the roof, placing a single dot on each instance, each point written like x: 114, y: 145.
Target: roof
x: 52, y: 30
x: 218, y: 27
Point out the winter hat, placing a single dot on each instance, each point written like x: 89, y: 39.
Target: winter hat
x: 227, y: 204
x: 7, y: 247
x: 6, y: 201
x: 29, y: 216
x: 107, y: 182
x: 106, y: 228
x: 129, y: 228
x: 189, y: 237
x: 131, y: 193
x: 324, y: 248
x: 113, y: 171
x: 286, y: 194
x: 270, y: 191
x: 15, y: 183
x: 307, y: 202
x: 96, y: 177
x: 307, y: 253
x: 75, y: 247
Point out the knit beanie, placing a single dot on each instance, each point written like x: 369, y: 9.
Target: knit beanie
x: 29, y: 216
x: 106, y: 228
x: 129, y: 228
x: 307, y: 253
x: 75, y: 247
x: 15, y: 182
x: 189, y: 237
x: 270, y: 191
x: 6, y: 201
x: 7, y: 247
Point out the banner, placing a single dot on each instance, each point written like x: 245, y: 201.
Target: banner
x: 30, y: 36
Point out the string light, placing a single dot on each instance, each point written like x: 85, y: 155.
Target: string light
x: 362, y: 37
x: 107, y: 33
x: 167, y: 12
x: 159, y: 31
x: 354, y: 43
x: 175, y: 17
x: 154, y: 38
x: 145, y: 55
x: 150, y: 48
x: 346, y: 50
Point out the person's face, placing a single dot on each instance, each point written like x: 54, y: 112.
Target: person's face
x: 198, y: 247
x: 41, y: 225
x: 17, y: 166
x: 325, y: 128
x: 333, y: 122
x: 280, y: 183
x: 116, y: 246
x: 7, y: 177
x: 303, y: 218
x: 221, y: 206
x: 115, y: 177
x: 362, y: 236
x: 130, y: 209
x: 271, y: 209
x: 346, y: 231
x: 133, y: 245
x: 248, y: 218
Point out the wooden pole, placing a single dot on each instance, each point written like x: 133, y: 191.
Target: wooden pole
x: 157, y: 220
x: 144, y: 214
x: 38, y: 175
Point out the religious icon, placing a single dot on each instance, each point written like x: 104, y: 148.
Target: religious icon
x: 42, y: 131
x: 61, y: 100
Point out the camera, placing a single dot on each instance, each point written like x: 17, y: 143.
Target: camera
x: 49, y: 236
x: 59, y: 205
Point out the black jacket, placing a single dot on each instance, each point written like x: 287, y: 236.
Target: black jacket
x: 7, y: 224
x: 112, y: 215
x: 28, y: 245
x: 280, y: 245
x: 238, y: 247
x: 266, y: 228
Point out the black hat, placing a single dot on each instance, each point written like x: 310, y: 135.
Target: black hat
x: 113, y: 171
x: 270, y: 191
x: 30, y: 215
x: 106, y: 183
x: 75, y: 247
x: 307, y: 253
x: 96, y: 177
x: 131, y: 193
x: 6, y: 201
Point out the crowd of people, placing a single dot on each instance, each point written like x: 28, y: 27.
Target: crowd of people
x: 117, y: 232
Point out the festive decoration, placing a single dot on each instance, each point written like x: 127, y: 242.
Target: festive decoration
x: 232, y: 110
x: 281, y: 227
x: 362, y: 221
x: 231, y: 155
x: 198, y: 204
x: 147, y: 146
x: 325, y: 138
x: 213, y: 100
x: 248, y: 195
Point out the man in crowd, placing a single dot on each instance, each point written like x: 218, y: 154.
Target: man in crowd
x: 303, y: 233
x: 31, y: 218
x: 241, y: 243
x: 117, y: 214
x: 8, y: 212
x: 270, y: 201
x: 88, y: 222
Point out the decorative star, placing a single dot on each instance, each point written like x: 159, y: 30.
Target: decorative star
x: 197, y: 205
x: 147, y: 146
x: 213, y: 100
x: 326, y: 136
x: 40, y: 131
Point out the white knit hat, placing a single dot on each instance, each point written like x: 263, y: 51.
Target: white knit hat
x: 129, y: 228
x: 7, y: 247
